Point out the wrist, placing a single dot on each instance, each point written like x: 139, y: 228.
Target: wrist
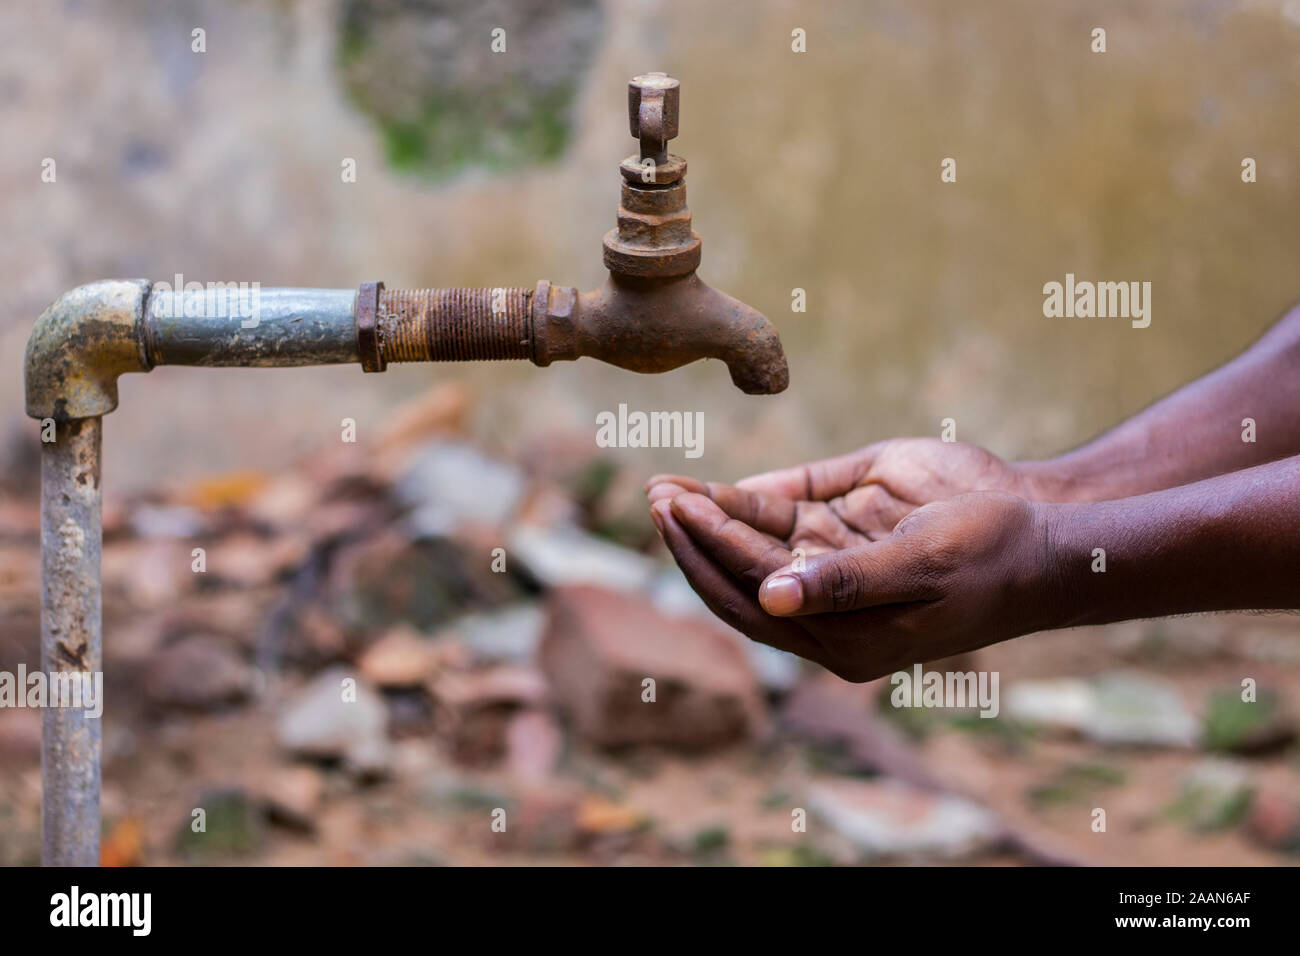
x: 1064, y: 481
x: 1048, y: 481
x: 1097, y: 561
x: 1057, y: 558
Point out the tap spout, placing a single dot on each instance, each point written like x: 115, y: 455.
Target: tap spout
x: 654, y: 324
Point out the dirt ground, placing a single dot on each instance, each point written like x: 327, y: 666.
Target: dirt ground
x: 201, y: 669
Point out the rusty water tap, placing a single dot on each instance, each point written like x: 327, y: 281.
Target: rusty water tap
x: 652, y: 314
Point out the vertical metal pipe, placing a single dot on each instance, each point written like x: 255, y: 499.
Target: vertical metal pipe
x: 70, y: 640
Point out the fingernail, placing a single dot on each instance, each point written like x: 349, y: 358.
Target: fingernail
x: 782, y: 595
x: 658, y: 520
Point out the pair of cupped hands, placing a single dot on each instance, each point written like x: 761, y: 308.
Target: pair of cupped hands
x: 905, y: 551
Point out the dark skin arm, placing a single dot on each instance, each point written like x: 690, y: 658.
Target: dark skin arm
x: 1173, y: 442
x: 1194, y: 433
x: 979, y: 568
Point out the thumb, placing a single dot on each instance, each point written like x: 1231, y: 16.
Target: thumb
x: 886, y: 572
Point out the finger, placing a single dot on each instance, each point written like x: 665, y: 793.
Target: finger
x: 685, y: 482
x: 770, y: 514
x: 665, y: 490
x: 790, y: 483
x: 725, y: 596
x: 663, y: 476
x: 669, y: 486
x: 892, y: 571
x: 748, y: 554
x: 816, y: 480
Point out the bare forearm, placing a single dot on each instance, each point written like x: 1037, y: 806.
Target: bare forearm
x: 1226, y: 543
x: 1195, y: 433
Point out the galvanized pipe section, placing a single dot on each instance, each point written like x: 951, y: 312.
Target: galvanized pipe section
x: 70, y: 640
x: 251, y: 326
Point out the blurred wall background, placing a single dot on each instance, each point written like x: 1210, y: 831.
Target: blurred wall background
x: 817, y: 171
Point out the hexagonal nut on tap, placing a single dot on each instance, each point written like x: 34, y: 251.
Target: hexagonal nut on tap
x: 555, y: 332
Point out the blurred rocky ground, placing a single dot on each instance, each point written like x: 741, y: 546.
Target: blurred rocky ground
x: 369, y: 657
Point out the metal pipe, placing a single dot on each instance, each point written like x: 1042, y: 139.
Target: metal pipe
x: 653, y: 314
x: 251, y: 326
x: 70, y: 641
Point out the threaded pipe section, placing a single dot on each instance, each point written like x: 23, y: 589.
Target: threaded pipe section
x: 455, y: 325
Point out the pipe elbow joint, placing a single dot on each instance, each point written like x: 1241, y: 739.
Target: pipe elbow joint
x: 81, y: 344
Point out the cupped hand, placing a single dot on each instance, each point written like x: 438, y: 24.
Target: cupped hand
x: 952, y: 576
x: 863, y: 495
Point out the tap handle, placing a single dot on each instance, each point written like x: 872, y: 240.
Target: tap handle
x: 652, y: 103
